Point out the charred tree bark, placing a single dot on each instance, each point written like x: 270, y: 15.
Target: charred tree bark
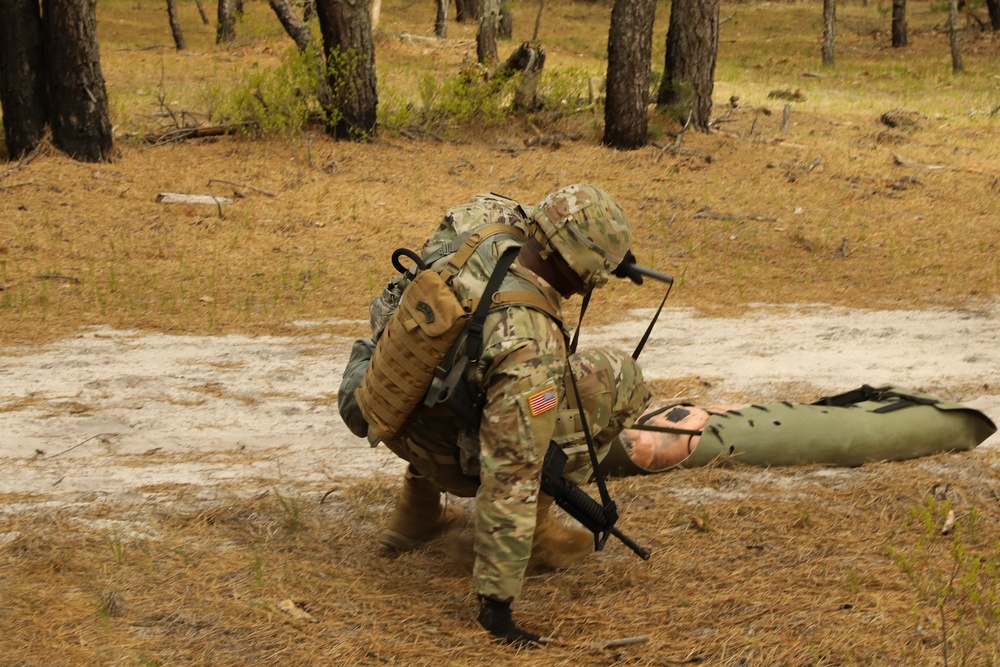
x: 899, y: 35
x: 441, y: 20
x: 528, y: 59
x: 350, y: 54
x: 466, y: 10
x: 692, y: 49
x: 956, y: 50
x: 829, y: 30
x: 630, y: 46
x: 302, y: 36
x: 226, y: 30
x: 175, y: 24
x: 78, y: 109
x: 538, y: 20
x: 22, y: 77
x: 486, y: 37
x: 993, y: 7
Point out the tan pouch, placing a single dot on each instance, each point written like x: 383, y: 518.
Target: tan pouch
x: 416, y: 339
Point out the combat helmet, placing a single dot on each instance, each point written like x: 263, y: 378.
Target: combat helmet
x: 587, y: 228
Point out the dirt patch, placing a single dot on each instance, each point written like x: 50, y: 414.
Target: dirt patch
x: 111, y: 411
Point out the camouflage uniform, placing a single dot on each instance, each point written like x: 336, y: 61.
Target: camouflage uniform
x: 522, y: 372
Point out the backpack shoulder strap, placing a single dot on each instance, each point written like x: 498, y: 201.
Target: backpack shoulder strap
x: 471, y: 241
x: 523, y: 297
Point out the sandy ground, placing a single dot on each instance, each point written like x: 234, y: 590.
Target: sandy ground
x: 122, y: 414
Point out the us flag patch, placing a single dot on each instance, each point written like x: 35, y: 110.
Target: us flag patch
x: 542, y: 401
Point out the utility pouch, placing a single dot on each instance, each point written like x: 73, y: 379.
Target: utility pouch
x: 416, y: 339
x: 419, y: 333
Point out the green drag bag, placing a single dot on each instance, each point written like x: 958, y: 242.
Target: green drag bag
x: 887, y: 423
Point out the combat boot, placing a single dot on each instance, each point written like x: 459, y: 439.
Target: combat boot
x: 418, y: 516
x: 556, y: 545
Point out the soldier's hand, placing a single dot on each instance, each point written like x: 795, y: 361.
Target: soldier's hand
x: 495, y: 616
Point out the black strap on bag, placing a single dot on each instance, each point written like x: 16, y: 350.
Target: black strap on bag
x: 474, y: 330
x: 446, y: 387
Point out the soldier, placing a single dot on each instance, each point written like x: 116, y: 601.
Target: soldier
x: 569, y: 244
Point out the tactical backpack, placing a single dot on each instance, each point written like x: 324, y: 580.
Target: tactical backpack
x: 424, y: 328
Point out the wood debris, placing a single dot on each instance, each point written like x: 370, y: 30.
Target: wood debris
x: 181, y: 198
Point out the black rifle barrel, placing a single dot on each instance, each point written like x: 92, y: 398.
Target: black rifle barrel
x: 650, y: 273
x: 627, y: 541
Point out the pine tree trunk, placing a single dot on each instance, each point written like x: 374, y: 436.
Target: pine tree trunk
x: 956, y: 51
x: 347, y: 38
x: 201, y: 10
x: 829, y: 30
x: 486, y: 38
x: 441, y: 19
x: 226, y: 30
x: 630, y: 45
x: 78, y: 109
x: 175, y: 24
x: 899, y: 36
x: 466, y: 10
x: 505, y: 26
x: 692, y: 49
x: 22, y: 77
x: 302, y: 36
x: 993, y: 7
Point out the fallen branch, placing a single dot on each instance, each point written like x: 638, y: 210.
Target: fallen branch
x: 675, y: 148
x: 711, y: 215
x: 184, y: 133
x: 240, y: 185
x: 56, y: 276
x: 180, y: 198
x: 15, y: 185
x: 551, y: 140
x: 796, y: 171
x: 903, y: 162
x: 624, y: 641
x: 611, y: 643
x: 24, y: 161
x: 99, y: 435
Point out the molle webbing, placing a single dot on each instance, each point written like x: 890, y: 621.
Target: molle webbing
x: 416, y: 339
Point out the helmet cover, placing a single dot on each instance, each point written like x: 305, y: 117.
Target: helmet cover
x: 587, y: 228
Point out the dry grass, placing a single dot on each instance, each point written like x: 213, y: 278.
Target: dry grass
x: 794, y: 567
x: 749, y: 568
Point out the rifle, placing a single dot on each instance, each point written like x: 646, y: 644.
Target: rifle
x: 595, y: 517
x: 598, y: 519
